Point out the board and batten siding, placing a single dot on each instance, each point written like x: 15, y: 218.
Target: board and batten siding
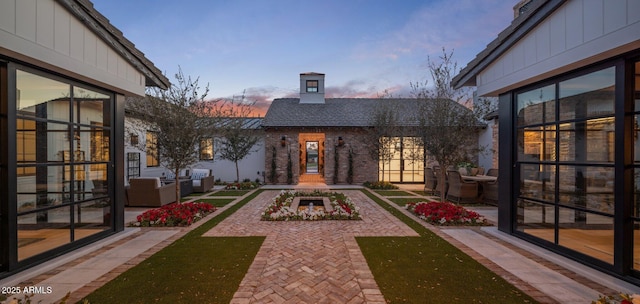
x: 576, y: 34
x: 47, y: 32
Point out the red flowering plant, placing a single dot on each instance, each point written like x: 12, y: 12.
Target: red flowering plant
x: 622, y: 298
x: 446, y: 214
x: 175, y: 214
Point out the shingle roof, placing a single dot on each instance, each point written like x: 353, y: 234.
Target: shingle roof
x: 248, y: 123
x: 335, y: 112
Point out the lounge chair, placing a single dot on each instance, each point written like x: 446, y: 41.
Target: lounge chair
x: 202, y: 180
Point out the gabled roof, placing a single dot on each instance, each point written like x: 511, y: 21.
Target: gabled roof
x: 335, y: 112
x: 536, y: 12
x: 248, y: 123
x: 338, y: 112
x: 100, y: 25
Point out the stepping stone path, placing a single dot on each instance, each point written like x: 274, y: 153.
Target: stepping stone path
x: 310, y: 261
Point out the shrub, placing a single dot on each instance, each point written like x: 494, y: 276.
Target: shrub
x: 174, y: 214
x: 380, y: 185
x: 446, y: 214
x: 246, y: 185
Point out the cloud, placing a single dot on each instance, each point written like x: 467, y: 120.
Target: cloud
x: 438, y: 24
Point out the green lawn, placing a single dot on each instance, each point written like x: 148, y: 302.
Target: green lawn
x: 401, y: 201
x: 230, y: 193
x: 423, y: 193
x: 217, y: 202
x: 194, y: 269
x: 393, y: 193
x: 427, y: 269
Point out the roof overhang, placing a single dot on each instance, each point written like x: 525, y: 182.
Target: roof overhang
x: 519, y: 27
x: 100, y: 25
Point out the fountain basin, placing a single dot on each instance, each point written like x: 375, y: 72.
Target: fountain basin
x: 319, y: 203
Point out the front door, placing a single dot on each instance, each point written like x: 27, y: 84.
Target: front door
x: 312, y: 157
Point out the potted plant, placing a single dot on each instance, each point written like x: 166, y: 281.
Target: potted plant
x: 468, y: 168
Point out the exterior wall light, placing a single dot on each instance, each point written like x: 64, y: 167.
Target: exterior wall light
x: 283, y: 141
x: 340, y: 141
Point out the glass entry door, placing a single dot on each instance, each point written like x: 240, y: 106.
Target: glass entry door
x: 312, y: 157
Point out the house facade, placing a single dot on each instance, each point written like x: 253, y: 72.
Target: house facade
x: 567, y: 75
x: 140, y: 162
x: 64, y: 74
x: 333, y: 140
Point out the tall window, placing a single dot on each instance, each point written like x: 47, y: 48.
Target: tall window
x: 206, y: 149
x: 565, y: 156
x: 312, y: 86
x: 152, y: 149
x: 62, y: 159
x: 401, y: 160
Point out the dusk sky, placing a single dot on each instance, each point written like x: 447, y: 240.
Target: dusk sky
x: 363, y: 46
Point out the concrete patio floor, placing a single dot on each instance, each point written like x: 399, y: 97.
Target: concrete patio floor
x: 331, y: 271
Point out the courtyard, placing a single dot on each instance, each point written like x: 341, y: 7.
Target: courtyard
x: 316, y: 261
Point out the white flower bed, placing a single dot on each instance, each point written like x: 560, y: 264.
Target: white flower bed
x: 280, y: 208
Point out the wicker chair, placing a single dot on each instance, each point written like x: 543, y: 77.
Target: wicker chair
x: 202, y: 180
x: 460, y: 189
x: 149, y: 192
x: 430, y: 181
x: 490, y: 192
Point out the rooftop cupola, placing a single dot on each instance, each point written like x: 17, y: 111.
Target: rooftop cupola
x: 311, y: 88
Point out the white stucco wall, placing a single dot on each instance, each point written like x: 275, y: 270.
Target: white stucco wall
x: 222, y: 169
x: 577, y: 33
x: 46, y: 32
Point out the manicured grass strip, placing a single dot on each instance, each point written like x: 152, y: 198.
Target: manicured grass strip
x: 193, y: 269
x: 423, y: 193
x: 401, y: 201
x: 230, y: 193
x: 217, y: 202
x: 427, y: 269
x: 393, y: 193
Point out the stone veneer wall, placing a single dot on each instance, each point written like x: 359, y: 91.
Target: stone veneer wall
x: 365, y: 168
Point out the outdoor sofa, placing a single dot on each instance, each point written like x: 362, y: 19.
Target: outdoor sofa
x: 149, y: 192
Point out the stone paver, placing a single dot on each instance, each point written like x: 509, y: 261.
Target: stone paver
x: 558, y: 286
x: 310, y: 262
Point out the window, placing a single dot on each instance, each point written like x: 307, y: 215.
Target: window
x: 63, y: 161
x: 312, y: 86
x: 206, y: 149
x: 565, y: 160
x: 152, y: 149
x: 26, y: 145
x: 133, y: 165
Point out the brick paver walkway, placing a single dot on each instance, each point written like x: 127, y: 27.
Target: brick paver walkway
x: 310, y: 262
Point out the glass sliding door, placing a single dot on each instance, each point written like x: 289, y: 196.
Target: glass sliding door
x: 63, y: 157
x: 565, y: 163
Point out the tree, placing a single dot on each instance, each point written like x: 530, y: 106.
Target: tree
x: 238, y: 139
x: 384, y: 131
x: 179, y: 117
x: 446, y: 128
